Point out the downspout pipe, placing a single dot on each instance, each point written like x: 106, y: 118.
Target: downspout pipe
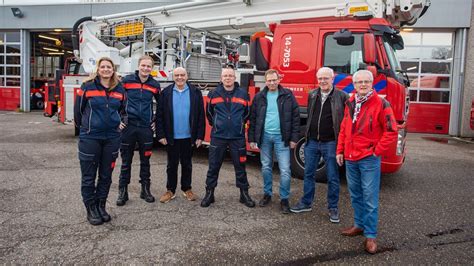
x: 74, y: 36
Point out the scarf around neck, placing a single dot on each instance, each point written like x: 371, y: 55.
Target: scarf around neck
x: 359, y: 101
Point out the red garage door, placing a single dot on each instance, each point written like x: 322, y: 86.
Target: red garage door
x: 9, y: 70
x: 428, y: 60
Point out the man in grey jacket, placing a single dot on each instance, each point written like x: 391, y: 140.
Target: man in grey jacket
x: 325, y: 113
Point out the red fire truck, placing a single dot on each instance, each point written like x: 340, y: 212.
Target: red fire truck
x: 299, y: 37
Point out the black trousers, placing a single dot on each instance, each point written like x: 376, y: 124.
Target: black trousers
x: 130, y: 136
x: 97, y: 154
x: 180, y: 152
x: 238, y: 153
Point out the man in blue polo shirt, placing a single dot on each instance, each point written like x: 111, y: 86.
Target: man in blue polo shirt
x: 180, y: 126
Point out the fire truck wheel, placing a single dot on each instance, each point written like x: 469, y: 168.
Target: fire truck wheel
x: 39, y: 104
x: 297, y: 164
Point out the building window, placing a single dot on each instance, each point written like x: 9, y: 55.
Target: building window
x: 428, y: 61
x: 44, y: 67
x: 10, y: 59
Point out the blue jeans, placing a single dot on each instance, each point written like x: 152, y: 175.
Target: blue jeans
x: 363, y: 180
x: 269, y: 143
x: 313, y: 150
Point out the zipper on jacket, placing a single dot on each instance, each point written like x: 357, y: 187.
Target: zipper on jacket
x: 215, y: 123
x: 370, y: 124
x: 108, y: 111
x: 90, y: 118
x: 242, y: 125
x: 191, y: 117
x: 310, y: 117
x: 151, y: 112
x: 319, y: 119
x: 141, y: 99
x: 282, y: 120
x: 117, y: 112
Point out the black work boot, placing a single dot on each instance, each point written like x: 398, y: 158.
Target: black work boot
x: 146, y: 194
x: 103, y: 213
x: 208, y: 198
x: 122, y: 196
x: 246, y: 199
x: 93, y: 215
x: 284, y: 206
x: 265, y: 200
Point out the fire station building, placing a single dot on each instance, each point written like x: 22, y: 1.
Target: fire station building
x: 438, y: 57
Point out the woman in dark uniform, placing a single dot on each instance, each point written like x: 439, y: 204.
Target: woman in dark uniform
x: 98, y: 113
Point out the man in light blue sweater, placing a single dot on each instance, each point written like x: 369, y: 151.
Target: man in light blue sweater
x: 180, y: 127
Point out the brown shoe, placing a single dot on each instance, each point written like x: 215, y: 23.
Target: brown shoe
x: 370, y: 245
x: 352, y: 231
x: 189, y: 195
x: 167, y: 197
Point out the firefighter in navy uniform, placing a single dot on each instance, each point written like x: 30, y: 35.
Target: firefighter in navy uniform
x: 99, y: 114
x: 227, y: 113
x: 141, y: 88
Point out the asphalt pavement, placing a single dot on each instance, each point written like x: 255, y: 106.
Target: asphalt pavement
x: 426, y: 210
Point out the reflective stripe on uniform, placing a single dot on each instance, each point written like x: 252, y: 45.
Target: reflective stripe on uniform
x: 116, y: 95
x: 129, y: 86
x: 95, y: 93
x: 217, y: 100
x: 240, y: 101
x: 138, y: 86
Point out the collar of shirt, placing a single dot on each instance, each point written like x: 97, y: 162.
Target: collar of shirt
x: 324, y: 95
x: 186, y: 87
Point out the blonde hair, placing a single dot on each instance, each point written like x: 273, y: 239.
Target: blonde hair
x: 114, y: 80
x: 146, y: 57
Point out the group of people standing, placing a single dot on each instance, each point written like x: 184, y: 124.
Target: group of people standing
x: 113, y: 114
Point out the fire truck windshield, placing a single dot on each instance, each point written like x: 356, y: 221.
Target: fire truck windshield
x: 392, y: 57
x: 345, y: 59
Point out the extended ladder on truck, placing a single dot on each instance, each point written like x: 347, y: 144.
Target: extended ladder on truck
x: 124, y: 36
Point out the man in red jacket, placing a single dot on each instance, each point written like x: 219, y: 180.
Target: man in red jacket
x: 367, y: 131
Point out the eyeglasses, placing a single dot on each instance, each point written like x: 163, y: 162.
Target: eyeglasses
x: 273, y: 80
x: 360, y: 82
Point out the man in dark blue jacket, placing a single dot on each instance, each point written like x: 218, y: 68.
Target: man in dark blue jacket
x: 227, y: 113
x: 180, y: 126
x: 141, y: 88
